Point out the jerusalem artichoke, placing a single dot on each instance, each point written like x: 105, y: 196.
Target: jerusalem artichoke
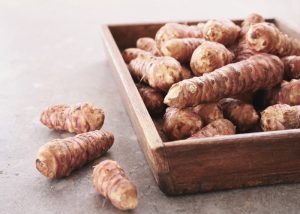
x: 243, y: 115
x: 260, y: 71
x: 291, y: 67
x: 132, y: 53
x: 208, y: 112
x: 59, y: 157
x: 109, y: 180
x: 266, y: 37
x: 210, y: 56
x: 181, y: 123
x: 215, y: 128
x: 78, y: 118
x: 251, y: 19
x: 280, y: 117
x: 148, y: 44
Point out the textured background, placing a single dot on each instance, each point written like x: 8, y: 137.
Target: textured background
x: 51, y: 52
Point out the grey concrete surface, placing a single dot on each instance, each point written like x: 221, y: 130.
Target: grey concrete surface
x: 50, y: 53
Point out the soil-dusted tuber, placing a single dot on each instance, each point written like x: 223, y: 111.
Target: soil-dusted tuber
x: 261, y: 71
x: 266, y: 37
x: 291, y: 67
x: 158, y: 72
x: 223, y: 31
x: 132, y: 53
x: 77, y: 118
x: 280, y: 117
x: 181, y: 49
x: 243, y: 115
x: 148, y: 44
x: 109, y: 180
x: 181, y: 123
x: 60, y: 157
x: 286, y: 93
x: 208, y: 112
x: 176, y: 30
x: 215, y: 128
x: 153, y: 99
x: 210, y: 56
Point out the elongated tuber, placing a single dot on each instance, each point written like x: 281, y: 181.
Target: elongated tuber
x: 176, y: 30
x: 266, y: 37
x: 78, y: 118
x: 181, y: 49
x: 280, y: 117
x: 148, y: 44
x: 132, y: 53
x: 109, y: 180
x: 243, y: 115
x: 215, y: 128
x: 286, y: 93
x: 181, y: 123
x: 223, y: 31
x: 60, y: 157
x: 208, y: 112
x: 153, y: 99
x: 291, y: 67
x: 261, y: 71
x: 210, y: 56
x: 158, y: 72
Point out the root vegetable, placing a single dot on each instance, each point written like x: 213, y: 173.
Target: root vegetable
x: 132, y: 53
x: 60, y: 157
x: 251, y: 19
x: 186, y: 73
x: 78, y: 118
x: 181, y: 49
x: 261, y: 71
x: 215, y: 128
x: 109, y: 180
x: 181, y: 123
x: 243, y: 115
x: 266, y: 37
x: 208, y: 112
x: 291, y: 67
x: 280, y: 117
x: 210, y: 56
x: 148, y: 44
x: 223, y: 31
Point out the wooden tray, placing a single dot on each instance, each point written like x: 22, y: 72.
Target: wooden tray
x: 209, y: 164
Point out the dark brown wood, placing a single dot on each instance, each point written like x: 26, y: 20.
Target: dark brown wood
x: 209, y: 164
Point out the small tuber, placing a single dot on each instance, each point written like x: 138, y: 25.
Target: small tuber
x: 148, y: 44
x: 291, y: 67
x: 132, y: 53
x: 208, y: 112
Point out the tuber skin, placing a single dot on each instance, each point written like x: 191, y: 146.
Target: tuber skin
x: 223, y: 31
x: 280, y: 117
x: 109, y: 180
x: 79, y: 118
x: 251, y: 19
x: 215, y: 128
x: 132, y: 53
x: 153, y: 99
x: 186, y: 73
x: 210, y: 56
x: 148, y: 44
x: 158, y: 72
x: 181, y: 123
x: 266, y: 37
x: 260, y: 71
x: 176, y: 30
x: 59, y: 157
x: 242, y: 114
x: 208, y: 112
x: 181, y: 49
x: 285, y: 93
x: 291, y: 67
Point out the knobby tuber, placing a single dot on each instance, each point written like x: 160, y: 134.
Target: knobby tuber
x: 260, y: 71
x: 243, y: 115
x: 280, y: 117
x: 153, y: 99
x: 132, y: 53
x: 181, y: 49
x: 78, y: 118
x: 109, y: 180
x: 223, y: 31
x: 215, y: 128
x: 210, y: 56
x: 208, y: 112
x: 266, y: 37
x: 158, y: 72
x: 291, y: 67
x: 181, y: 123
x: 251, y: 19
x: 59, y: 157
x: 148, y: 44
